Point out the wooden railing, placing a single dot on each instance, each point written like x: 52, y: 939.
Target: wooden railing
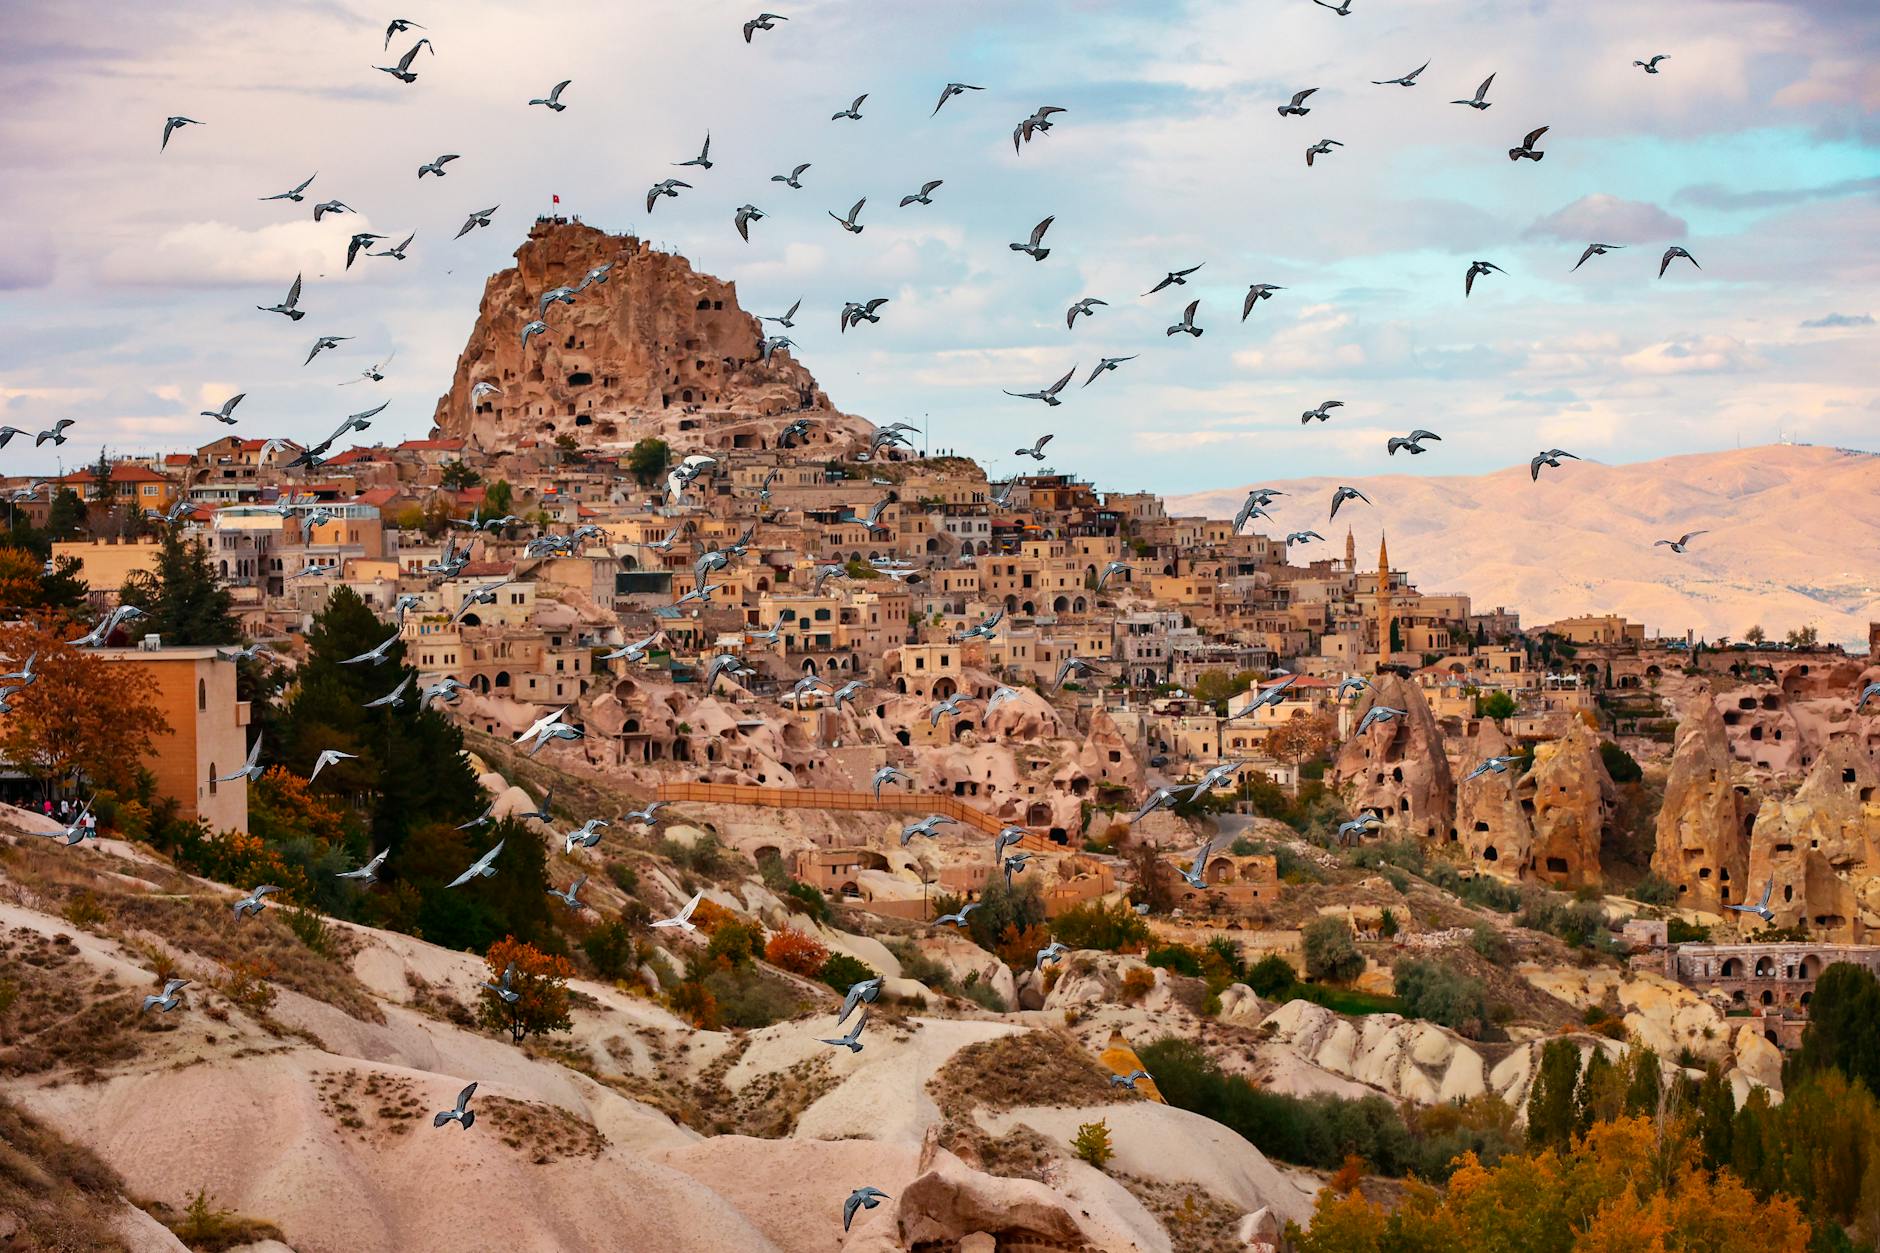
x: 889, y: 802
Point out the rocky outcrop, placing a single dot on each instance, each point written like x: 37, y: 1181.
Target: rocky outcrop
x: 1490, y: 820
x: 1398, y: 768
x: 1703, y: 825
x: 1568, y: 798
x: 656, y: 349
x: 1408, y: 1059
x: 1820, y: 849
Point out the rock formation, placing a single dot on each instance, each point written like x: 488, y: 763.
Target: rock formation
x: 1490, y: 820
x: 1398, y: 767
x: 656, y: 349
x: 1568, y: 798
x: 1703, y: 825
x: 1821, y: 848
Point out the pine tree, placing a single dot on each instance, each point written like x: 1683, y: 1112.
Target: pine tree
x: 185, y: 602
x: 66, y: 517
x: 1551, y: 1112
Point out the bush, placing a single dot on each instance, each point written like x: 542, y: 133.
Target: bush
x: 703, y: 856
x: 541, y: 979
x: 746, y: 998
x: 625, y: 877
x: 1652, y: 890
x: 1002, y: 906
x: 1678, y: 931
x: 1446, y: 997
x: 609, y: 947
x: 1271, y: 976
x: 807, y: 898
x: 1137, y: 983
x: 1619, y: 763
x: 691, y: 1001
x: 841, y: 972
x: 311, y: 929
x: 1491, y: 944
x: 919, y: 967
x: 795, y: 952
x: 1332, y: 955
x: 1093, y: 1143
x: 735, y: 942
x: 1180, y: 958
x: 1112, y: 928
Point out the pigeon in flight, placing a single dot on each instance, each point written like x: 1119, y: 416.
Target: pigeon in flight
x: 951, y: 90
x: 683, y: 919
x: 169, y: 1000
x: 704, y: 158
x: 487, y: 816
x: 392, y: 699
x: 1323, y: 148
x: 1476, y: 269
x: 1303, y: 537
x: 1379, y: 713
x: 504, y: 990
x: 397, y: 253
x: 403, y: 71
x: 1187, y: 325
x: 254, y: 902
x: 853, y: 1040
x: 369, y: 871
x: 951, y: 705
x: 328, y: 757
x: 1322, y: 413
x: 1356, y: 683
x: 763, y: 21
x: 1408, y: 80
x: 1868, y: 693
x: 924, y: 195
x: 228, y: 408
x: 959, y: 919
x: 854, y: 314
x: 1297, y: 107
x: 1048, y: 394
x: 1114, y: 567
x: 553, y: 99
x: 1255, y: 294
x: 1595, y: 250
x: 1106, y: 364
x: 1036, y: 451
x: 399, y: 26
x: 1037, y: 235
x: 888, y: 774
x: 1651, y: 66
x: 537, y: 327
x: 1672, y: 254
x: 1048, y: 955
x: 288, y: 306
x: 1161, y: 798
x: 928, y: 826
x: 437, y: 167
x: 296, y: 194
x: 1178, y: 278
x: 460, y: 1113
x: 1678, y: 545
x: 786, y: 321
x: 793, y: 178
x: 1549, y: 458
x: 847, y: 692
x: 174, y: 123
x: 568, y: 898
x: 322, y: 344
x: 251, y: 769
x: 56, y: 435
x: 1195, y: 875
x: 331, y: 206
x: 747, y: 214
x: 1129, y: 1080
x: 103, y: 631
x: 648, y: 816
x: 1491, y: 765
x: 853, y: 112
x: 1362, y: 825
x: 358, y: 241
x: 849, y: 223
x: 587, y: 835
x: 483, y: 867
x: 1760, y: 908
x: 866, y: 1198
x: 1411, y: 443
x: 1343, y: 494
x: 1342, y: 8
x: 1072, y: 668
x: 1476, y: 101
x: 480, y: 218
x: 1084, y: 306
x: 1527, y: 148
x: 1037, y: 123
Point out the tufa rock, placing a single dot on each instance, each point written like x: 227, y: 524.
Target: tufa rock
x: 1703, y: 825
x: 1399, y: 768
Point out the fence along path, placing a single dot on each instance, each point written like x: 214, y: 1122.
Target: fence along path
x: 823, y: 798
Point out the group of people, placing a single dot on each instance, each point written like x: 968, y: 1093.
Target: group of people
x: 66, y: 811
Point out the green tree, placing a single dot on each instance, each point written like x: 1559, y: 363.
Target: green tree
x: 540, y: 982
x: 1448, y: 997
x: 183, y: 600
x: 1092, y: 1143
x: 66, y: 518
x: 1551, y: 1109
x: 1096, y: 925
x: 1620, y: 765
x: 1843, y: 1031
x: 496, y: 499
x: 1001, y: 905
x: 1755, y: 635
x: 1496, y: 705
x: 1271, y: 976
x: 1601, y: 1094
x: 26, y: 587
x: 457, y: 476
x: 1644, y: 1082
x: 647, y: 460
x: 1332, y: 954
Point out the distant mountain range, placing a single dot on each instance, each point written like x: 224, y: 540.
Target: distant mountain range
x: 1794, y: 537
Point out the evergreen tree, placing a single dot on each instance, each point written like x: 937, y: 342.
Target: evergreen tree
x: 1551, y: 1113
x: 66, y: 518
x: 1843, y: 1030
x: 497, y: 499
x: 185, y: 602
x: 1601, y: 1097
x: 1644, y: 1086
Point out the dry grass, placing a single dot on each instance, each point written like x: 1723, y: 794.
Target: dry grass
x: 369, y: 1103
x: 1196, y: 1220
x: 1026, y: 1068
x: 54, y: 1195
x: 58, y: 1013
x: 543, y: 1133
x: 206, y: 1229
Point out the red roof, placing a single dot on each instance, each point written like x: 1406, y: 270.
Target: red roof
x: 121, y: 472
x: 431, y: 445
x: 352, y: 455
x: 484, y: 569
x: 177, y: 459
x: 377, y: 496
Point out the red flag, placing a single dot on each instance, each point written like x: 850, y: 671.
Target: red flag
x: 557, y: 199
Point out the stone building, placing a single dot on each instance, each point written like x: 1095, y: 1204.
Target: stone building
x: 207, y: 736
x: 1767, y: 977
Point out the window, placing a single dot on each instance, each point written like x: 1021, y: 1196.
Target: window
x: 202, y: 694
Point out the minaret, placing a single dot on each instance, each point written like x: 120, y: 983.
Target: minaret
x: 1385, y: 610
x: 1351, y: 551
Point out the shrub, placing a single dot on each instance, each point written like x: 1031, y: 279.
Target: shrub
x: 1332, y: 955
x: 735, y: 942
x: 1018, y: 946
x: 807, y: 898
x: 1271, y: 976
x: 1678, y: 931
x: 842, y: 972
x: 1137, y: 983
x: 703, y: 856
x: 695, y: 1004
x: 984, y: 995
x: 310, y: 929
x: 1447, y: 997
x: 1001, y: 906
x: 246, y: 983
x: 610, y: 948
x: 1619, y: 763
x: 1095, y: 925
x: 745, y: 998
x: 919, y: 967
x: 1652, y: 890
x: 1491, y: 944
x: 625, y: 877
x: 206, y: 1229
x: 795, y: 952
x: 1387, y: 927
x: 541, y: 982
x: 1093, y: 1143
x: 1180, y: 958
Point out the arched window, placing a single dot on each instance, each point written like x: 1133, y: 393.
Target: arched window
x: 202, y: 694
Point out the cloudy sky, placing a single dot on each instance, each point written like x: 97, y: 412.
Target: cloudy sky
x: 129, y: 277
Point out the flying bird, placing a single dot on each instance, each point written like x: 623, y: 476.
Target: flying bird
x: 1549, y: 458
x: 951, y: 90
x: 1187, y: 325
x: 169, y: 1000
x: 483, y: 867
x: 888, y: 774
x: 928, y: 827
x: 1038, y: 123
x: 1343, y: 494
x: 1362, y: 825
x: 1161, y: 798
x: 1868, y: 693
x: 648, y: 816
x: 1322, y: 413
x: 322, y: 344
x: 1302, y: 537
x: 1084, y: 306
x: 1255, y: 294
x: 853, y: 1040
x: 1379, y: 713
x: 1048, y: 394
x: 403, y: 71
x: 254, y: 902
x: 1651, y: 66
x: 704, y: 158
x: 854, y: 314
x: 1594, y: 250
x: 1491, y: 765
x: 849, y: 223
x: 1476, y: 101
x: 1114, y: 567
x: 437, y: 167
x: 683, y: 919
x: 1323, y: 148
x: 328, y: 757
x: 1342, y: 8
x: 296, y: 194
x: 1527, y: 146
x: 951, y: 705
x: 460, y: 1113
x: 358, y: 241
x: 1195, y: 875
x: 924, y: 195
x: 399, y: 26
x: 1678, y: 545
x: 174, y: 123
x: 1178, y: 278
x: 746, y: 214
x: 959, y: 919
x: 1408, y: 80
x: 1037, y: 234
x: 864, y: 1198
x: 553, y: 99
x: 331, y: 206
x: 1129, y: 1080
x: 793, y: 178
x: 1356, y: 683
x: 853, y: 112
x: 1760, y: 908
x: 394, y: 698
x: 227, y: 409
x: 1036, y: 451
x: 369, y: 871
x: 505, y: 990
x: 1672, y: 254
x: 568, y: 898
x: 1476, y: 269
x: 1049, y: 954
x: 786, y: 320
x: 537, y: 327
x: 763, y: 21
x: 480, y: 218
x: 1297, y: 107
x: 397, y: 253
x: 251, y: 769
x: 288, y: 306
x: 1411, y: 443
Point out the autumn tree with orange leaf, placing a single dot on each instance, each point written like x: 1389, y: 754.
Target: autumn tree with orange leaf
x: 84, y: 717
x: 541, y: 986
